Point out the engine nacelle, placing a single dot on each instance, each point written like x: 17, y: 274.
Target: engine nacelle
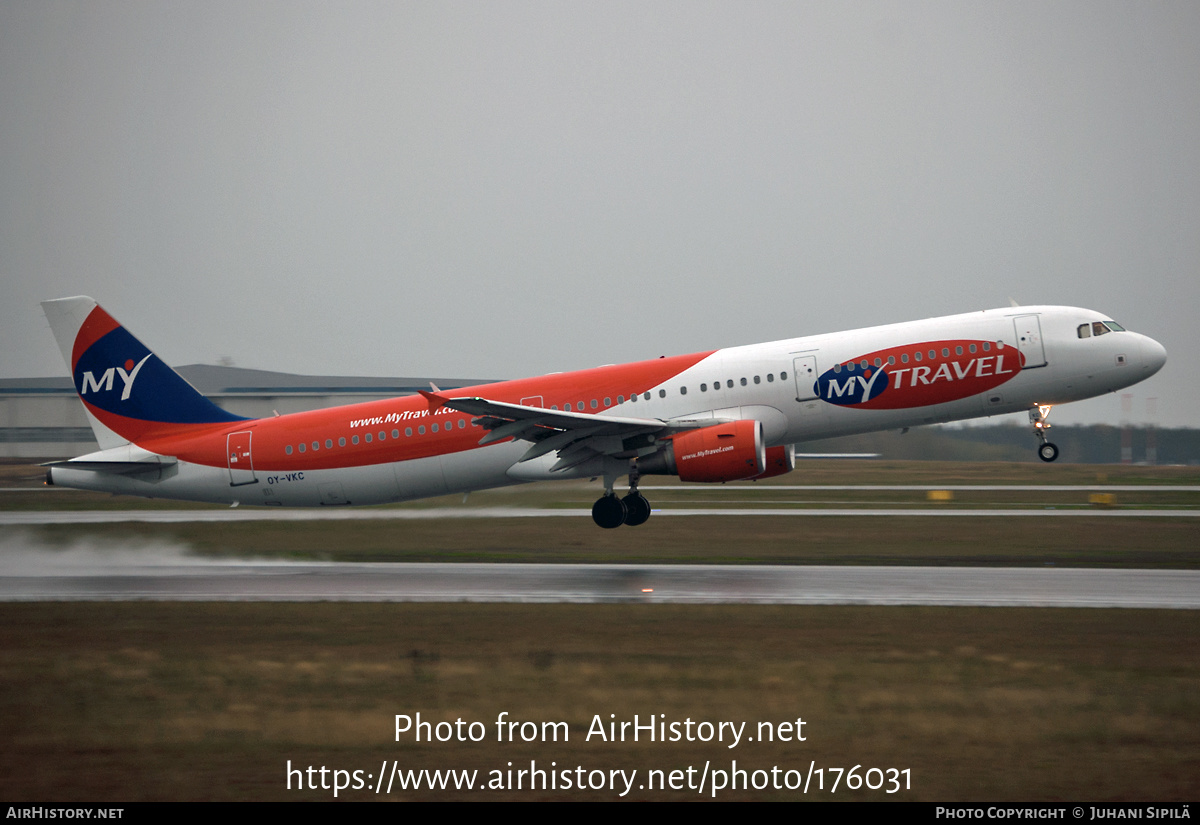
x: 723, y: 452
x: 780, y: 460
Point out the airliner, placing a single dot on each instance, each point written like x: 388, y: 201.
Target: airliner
x: 723, y: 415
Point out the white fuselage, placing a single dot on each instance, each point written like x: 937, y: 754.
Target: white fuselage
x: 1033, y: 356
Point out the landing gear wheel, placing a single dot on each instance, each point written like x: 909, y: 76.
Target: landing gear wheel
x: 1047, y: 452
x: 608, y: 512
x: 637, y: 509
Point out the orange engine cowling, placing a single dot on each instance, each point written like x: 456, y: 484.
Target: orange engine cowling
x: 780, y: 460
x: 724, y: 452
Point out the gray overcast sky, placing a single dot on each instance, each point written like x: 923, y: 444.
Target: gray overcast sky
x: 510, y: 188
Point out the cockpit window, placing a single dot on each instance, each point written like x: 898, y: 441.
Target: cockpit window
x: 1085, y: 330
x: 1114, y: 326
x: 1099, y: 329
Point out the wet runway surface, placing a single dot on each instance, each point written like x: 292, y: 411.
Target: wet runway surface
x: 97, y: 576
x: 14, y: 518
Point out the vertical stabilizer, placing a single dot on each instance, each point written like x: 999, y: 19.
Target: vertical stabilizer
x: 129, y: 394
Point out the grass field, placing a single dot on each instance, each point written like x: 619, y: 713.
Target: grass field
x: 211, y: 701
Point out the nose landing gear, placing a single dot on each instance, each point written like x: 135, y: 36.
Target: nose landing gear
x: 1037, y: 417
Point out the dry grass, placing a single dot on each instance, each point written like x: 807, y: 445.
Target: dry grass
x: 196, y: 701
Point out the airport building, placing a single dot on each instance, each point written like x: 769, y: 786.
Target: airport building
x: 43, y: 417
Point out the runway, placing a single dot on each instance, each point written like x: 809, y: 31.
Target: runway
x: 15, y: 518
x: 41, y: 575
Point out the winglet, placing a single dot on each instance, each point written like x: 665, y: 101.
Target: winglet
x: 436, y: 402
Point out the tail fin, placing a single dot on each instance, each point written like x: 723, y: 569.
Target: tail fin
x: 128, y: 393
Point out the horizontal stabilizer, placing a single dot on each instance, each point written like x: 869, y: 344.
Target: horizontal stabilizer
x: 125, y: 460
x: 122, y: 468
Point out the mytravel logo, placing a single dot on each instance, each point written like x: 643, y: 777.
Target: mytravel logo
x: 920, y: 374
x: 116, y: 374
x: 90, y: 383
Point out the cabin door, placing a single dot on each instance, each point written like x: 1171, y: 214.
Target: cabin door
x: 805, y: 367
x: 241, y: 464
x: 1029, y: 340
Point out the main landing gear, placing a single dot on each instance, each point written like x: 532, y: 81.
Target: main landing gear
x: 1037, y: 417
x: 609, y: 511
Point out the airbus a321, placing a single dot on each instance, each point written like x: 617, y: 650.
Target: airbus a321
x: 717, y: 416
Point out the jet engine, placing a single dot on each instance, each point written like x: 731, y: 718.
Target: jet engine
x: 780, y: 460
x: 723, y: 452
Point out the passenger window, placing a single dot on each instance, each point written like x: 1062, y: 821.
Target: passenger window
x: 704, y: 388
x: 302, y: 448
x: 771, y: 375
x: 757, y: 380
x: 420, y: 431
x: 395, y: 433
x: 729, y: 384
x: 662, y: 393
x: 342, y: 441
x: 433, y: 428
x: 904, y: 358
x: 683, y: 390
x: 367, y: 438
x: 607, y: 401
x: 958, y: 350
x: 353, y: 439
x: 917, y: 355
x: 288, y: 449
x: 462, y: 423
x: 329, y: 443
x: 408, y: 431
x: 566, y: 407
x: 316, y: 445
x: 594, y: 404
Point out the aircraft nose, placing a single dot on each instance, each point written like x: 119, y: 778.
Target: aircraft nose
x: 1154, y: 355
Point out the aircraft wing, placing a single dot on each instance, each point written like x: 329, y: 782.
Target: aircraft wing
x: 575, y: 436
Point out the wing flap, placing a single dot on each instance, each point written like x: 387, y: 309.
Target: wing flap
x: 575, y: 436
